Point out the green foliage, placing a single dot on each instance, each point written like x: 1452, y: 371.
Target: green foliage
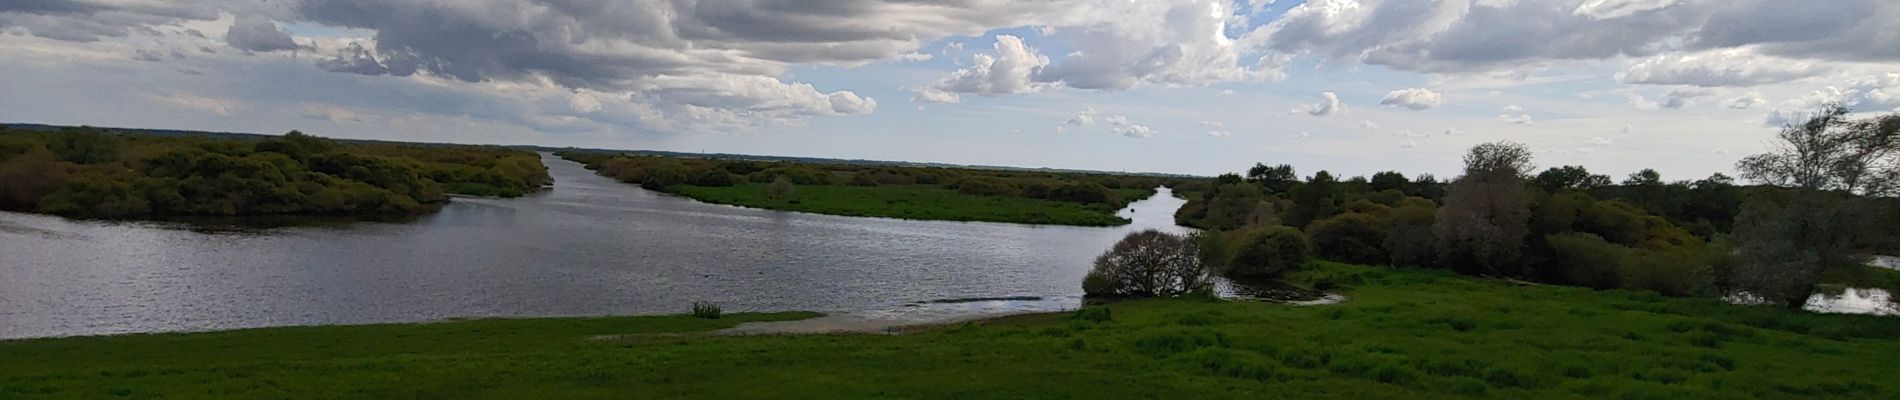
x: 1351, y: 237
x: 927, y: 202
x: 104, y: 175
x: 986, y: 187
x: 85, y: 145
x: 780, y: 189
x: 704, y: 309
x: 1271, y: 252
x: 1149, y: 263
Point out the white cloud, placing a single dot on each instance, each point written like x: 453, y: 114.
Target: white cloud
x: 1216, y: 129
x: 1880, y: 93
x: 1409, y: 144
x: 1515, y: 115
x: 1137, y: 131
x: 1008, y: 71
x: 1085, y: 117
x: 1302, y: 135
x: 1606, y: 9
x: 1224, y: 92
x: 1328, y: 105
x: 1730, y: 67
x: 1599, y: 141
x: 1369, y: 125
x: 1413, y: 98
x: 206, y: 104
x: 1745, y: 101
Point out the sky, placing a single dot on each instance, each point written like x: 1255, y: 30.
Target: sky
x: 1202, y: 87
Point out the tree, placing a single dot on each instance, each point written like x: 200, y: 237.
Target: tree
x: 779, y: 189
x: 1149, y: 263
x: 1270, y: 252
x: 1277, y: 179
x: 1482, y: 226
x: 1318, y: 198
x: 1351, y: 237
x: 85, y: 145
x: 1786, y: 241
x: 1389, y: 180
x: 1569, y: 177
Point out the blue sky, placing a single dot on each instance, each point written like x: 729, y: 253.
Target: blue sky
x: 1190, y: 86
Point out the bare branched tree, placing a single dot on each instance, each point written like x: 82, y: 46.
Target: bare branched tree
x: 1831, y: 164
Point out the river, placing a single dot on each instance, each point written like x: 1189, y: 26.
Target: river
x: 588, y: 246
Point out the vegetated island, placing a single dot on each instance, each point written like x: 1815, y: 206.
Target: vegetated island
x: 130, y: 174
x: 1404, y: 333
x: 891, y: 191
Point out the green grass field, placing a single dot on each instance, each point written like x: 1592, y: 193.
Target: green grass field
x: 1402, y: 334
x: 928, y: 202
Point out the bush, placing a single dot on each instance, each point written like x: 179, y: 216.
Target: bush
x: 780, y: 189
x: 1352, y: 237
x: 1271, y: 252
x: 863, y: 179
x: 1587, y: 260
x: 705, y: 310
x: 1148, y: 264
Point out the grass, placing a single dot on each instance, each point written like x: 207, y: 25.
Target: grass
x: 927, y: 202
x: 1402, y: 334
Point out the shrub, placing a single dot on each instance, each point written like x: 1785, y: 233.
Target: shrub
x: 780, y: 189
x: 1584, y: 259
x: 1147, y: 264
x: 705, y: 310
x: 1409, y: 238
x: 1270, y: 252
x: 862, y: 179
x: 713, y: 177
x: 1351, y: 237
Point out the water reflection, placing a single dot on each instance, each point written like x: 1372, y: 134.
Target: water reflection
x: 1854, y: 301
x: 590, y: 246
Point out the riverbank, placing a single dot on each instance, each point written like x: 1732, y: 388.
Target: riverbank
x: 917, y: 202
x: 1404, y: 334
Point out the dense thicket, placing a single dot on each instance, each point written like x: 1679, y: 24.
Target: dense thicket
x: 1105, y: 191
x: 1826, y: 201
x: 89, y: 172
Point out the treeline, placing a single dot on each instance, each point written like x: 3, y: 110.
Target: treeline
x: 1109, y: 192
x: 1566, y: 225
x: 94, y: 173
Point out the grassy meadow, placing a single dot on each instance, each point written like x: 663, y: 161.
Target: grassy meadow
x: 926, y: 202
x: 1401, y: 334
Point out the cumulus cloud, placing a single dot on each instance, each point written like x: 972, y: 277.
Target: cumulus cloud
x: 1732, y: 67
x: 1008, y: 71
x: 1137, y: 131
x: 1514, y: 115
x: 1328, y: 105
x: 1369, y: 125
x: 1600, y: 141
x: 1085, y: 117
x: 252, y: 33
x: 1413, y: 98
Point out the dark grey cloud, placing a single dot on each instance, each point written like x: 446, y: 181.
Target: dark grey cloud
x: 85, y: 21
x: 251, y: 33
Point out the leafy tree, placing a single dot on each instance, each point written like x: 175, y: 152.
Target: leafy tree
x: 1149, y: 263
x: 1228, y: 179
x: 1270, y: 252
x: 1389, y: 180
x: 1351, y: 237
x: 1318, y: 198
x: 1485, y: 219
x: 85, y: 145
x: 1277, y: 179
x: 1569, y: 177
x: 1787, y: 240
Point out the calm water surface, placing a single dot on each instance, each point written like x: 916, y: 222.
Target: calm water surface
x: 590, y: 246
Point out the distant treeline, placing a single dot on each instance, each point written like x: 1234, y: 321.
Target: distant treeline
x: 97, y: 173
x: 1110, y: 192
